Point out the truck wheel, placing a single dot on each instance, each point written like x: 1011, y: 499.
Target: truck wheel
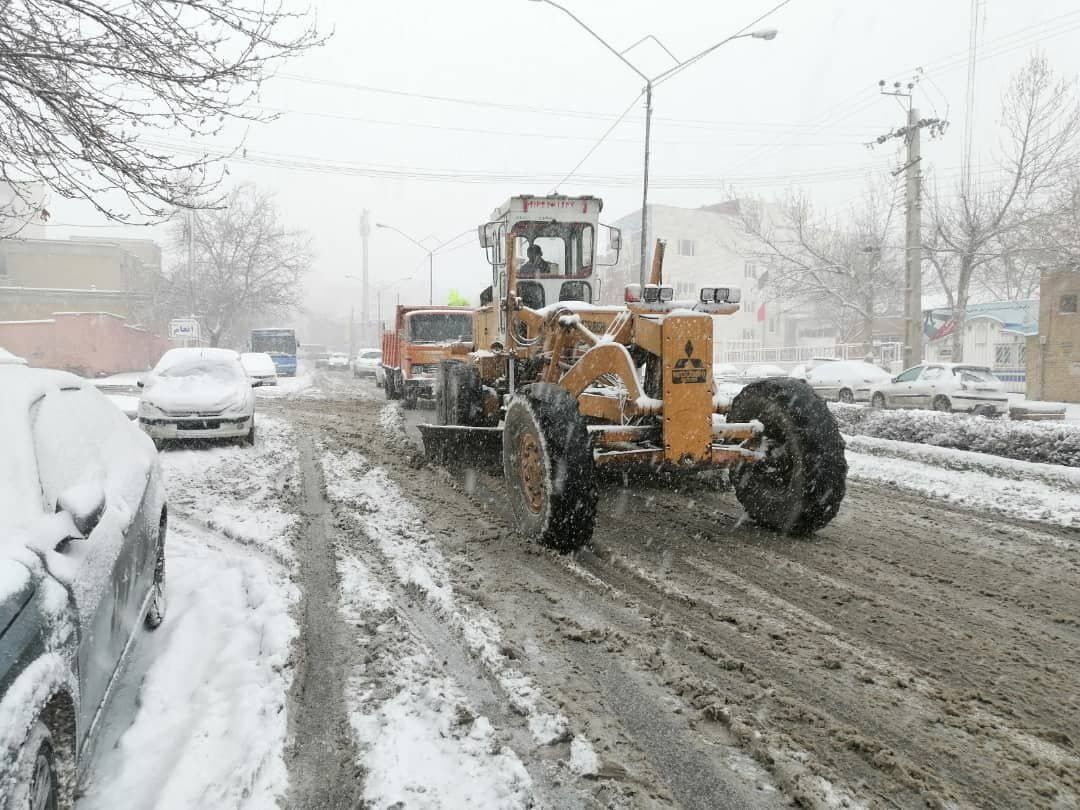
x: 797, y: 488
x: 409, y: 398
x: 392, y: 387
x: 548, y: 465
x: 462, y: 394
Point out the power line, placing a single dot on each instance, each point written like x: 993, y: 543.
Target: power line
x: 596, y: 145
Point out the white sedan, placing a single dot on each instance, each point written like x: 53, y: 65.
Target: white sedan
x: 197, y: 394
x: 260, y: 368
x: 366, y: 363
x: 760, y: 371
x: 846, y: 380
x: 337, y: 361
x: 943, y: 387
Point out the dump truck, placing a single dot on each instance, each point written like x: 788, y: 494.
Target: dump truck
x: 571, y: 388
x: 412, y: 349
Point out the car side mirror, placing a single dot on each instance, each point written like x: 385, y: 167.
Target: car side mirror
x: 140, y: 383
x: 85, y: 504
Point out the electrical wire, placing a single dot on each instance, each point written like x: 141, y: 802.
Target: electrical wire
x: 596, y: 145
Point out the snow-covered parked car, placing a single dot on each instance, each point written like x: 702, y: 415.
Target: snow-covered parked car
x: 366, y: 362
x: 725, y: 371
x: 800, y: 371
x: 197, y: 394
x: 259, y: 367
x: 943, y: 387
x: 761, y: 371
x: 82, y: 569
x: 846, y: 380
x: 9, y: 359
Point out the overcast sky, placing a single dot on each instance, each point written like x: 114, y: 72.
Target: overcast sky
x: 532, y: 92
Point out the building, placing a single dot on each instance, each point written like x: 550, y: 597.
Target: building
x: 995, y: 335
x: 22, y: 210
x: 705, y: 248
x: 1053, y: 355
x: 41, y: 276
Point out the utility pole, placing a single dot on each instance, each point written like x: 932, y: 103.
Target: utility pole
x: 913, y: 343
x: 642, y: 279
x: 365, y: 309
x: 912, y: 168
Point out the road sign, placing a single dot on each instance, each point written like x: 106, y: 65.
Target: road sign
x: 184, y: 329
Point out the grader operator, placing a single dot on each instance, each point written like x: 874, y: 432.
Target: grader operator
x: 571, y: 387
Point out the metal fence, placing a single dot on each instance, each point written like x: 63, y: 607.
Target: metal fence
x: 740, y: 352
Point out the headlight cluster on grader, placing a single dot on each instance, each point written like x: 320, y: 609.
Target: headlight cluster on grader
x: 571, y: 386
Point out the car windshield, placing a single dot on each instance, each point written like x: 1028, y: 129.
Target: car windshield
x: 975, y: 375
x: 273, y: 344
x: 220, y: 370
x: 371, y: 356
x: 439, y: 327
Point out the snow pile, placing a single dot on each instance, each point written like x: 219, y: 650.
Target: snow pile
x: 242, y: 492
x: 1023, y: 499
x: 583, y: 758
x: 1040, y: 442
x: 398, y: 530
x: 211, y: 721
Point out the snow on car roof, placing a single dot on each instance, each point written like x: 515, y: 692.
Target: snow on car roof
x: 186, y: 354
x: 7, y: 358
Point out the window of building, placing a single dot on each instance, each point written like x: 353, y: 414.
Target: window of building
x: 747, y: 334
x: 685, y: 247
x: 1067, y: 304
x: 1003, y: 354
x: 772, y: 324
x: 750, y: 270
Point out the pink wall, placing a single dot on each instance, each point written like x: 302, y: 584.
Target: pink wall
x: 88, y: 343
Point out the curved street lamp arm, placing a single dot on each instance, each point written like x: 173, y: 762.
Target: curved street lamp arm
x: 596, y: 36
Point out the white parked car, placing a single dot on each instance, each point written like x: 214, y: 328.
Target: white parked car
x: 943, y: 387
x: 366, y: 362
x: 197, y: 394
x: 760, y: 371
x: 259, y: 367
x: 724, y: 371
x: 9, y: 359
x: 800, y: 371
x: 846, y: 380
x: 337, y: 361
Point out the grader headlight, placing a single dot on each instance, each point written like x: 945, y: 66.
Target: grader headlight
x: 720, y: 295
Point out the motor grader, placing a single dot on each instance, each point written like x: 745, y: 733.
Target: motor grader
x: 571, y: 387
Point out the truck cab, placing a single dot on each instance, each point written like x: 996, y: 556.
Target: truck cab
x: 556, y: 250
x: 422, y: 336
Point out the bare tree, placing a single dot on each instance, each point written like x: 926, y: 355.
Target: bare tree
x: 852, y: 269
x: 244, y: 263
x: 85, y: 84
x: 978, y: 234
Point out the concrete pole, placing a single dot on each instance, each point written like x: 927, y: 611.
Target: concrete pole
x: 913, y: 343
x: 642, y: 275
x: 365, y: 308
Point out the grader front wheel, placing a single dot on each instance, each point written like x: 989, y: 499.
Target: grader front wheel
x: 797, y: 488
x: 548, y: 465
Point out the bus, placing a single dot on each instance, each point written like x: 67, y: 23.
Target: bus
x: 281, y: 345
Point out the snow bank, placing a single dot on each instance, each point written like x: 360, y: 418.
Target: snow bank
x: 1026, y: 500
x: 211, y: 723
x: 242, y: 492
x: 1039, y: 442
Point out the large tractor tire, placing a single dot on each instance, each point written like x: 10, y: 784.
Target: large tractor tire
x: 459, y: 394
x: 798, y: 487
x: 548, y: 464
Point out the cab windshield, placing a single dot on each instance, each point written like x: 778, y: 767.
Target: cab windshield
x: 554, y: 249
x: 439, y: 327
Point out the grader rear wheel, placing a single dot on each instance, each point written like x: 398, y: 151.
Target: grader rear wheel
x: 548, y: 465
x: 798, y: 487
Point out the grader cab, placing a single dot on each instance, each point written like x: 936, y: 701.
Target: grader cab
x: 570, y: 387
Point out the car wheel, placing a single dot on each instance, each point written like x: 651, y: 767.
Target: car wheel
x: 942, y: 404
x: 155, y: 613
x: 37, y: 786
x: 846, y: 396
x: 877, y: 401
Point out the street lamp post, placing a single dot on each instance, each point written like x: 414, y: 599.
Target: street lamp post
x: 650, y: 82
x: 429, y: 251
x: 379, y: 291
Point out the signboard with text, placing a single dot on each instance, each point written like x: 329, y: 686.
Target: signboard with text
x: 184, y: 329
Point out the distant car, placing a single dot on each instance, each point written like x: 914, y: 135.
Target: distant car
x: 197, y: 394
x: 259, y: 367
x: 762, y: 370
x: 846, y: 380
x: 943, y: 387
x: 365, y: 362
x: 82, y: 566
x: 337, y: 361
